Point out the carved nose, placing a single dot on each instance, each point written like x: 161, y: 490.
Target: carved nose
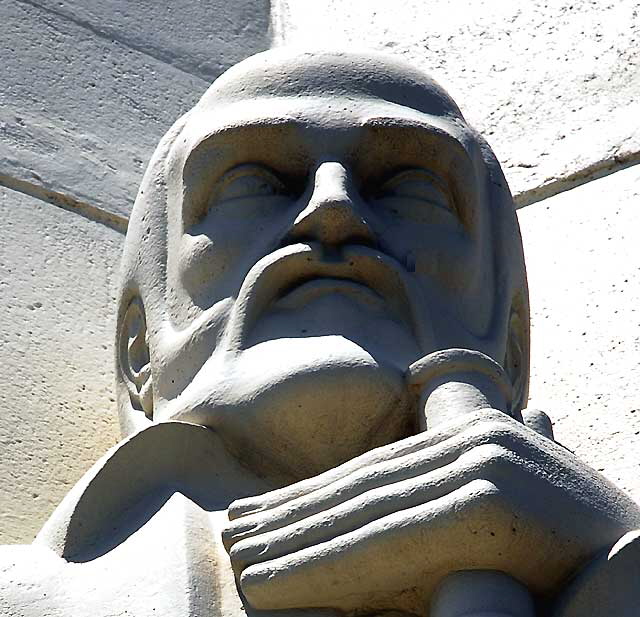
x: 331, y: 216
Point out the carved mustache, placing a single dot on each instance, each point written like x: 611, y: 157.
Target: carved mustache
x: 275, y: 275
x: 285, y: 269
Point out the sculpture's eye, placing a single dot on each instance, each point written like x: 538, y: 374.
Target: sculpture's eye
x: 416, y: 194
x: 248, y: 181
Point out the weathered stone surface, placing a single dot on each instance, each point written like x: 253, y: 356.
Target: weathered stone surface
x: 57, y: 275
x: 89, y: 88
x: 202, y: 38
x: 553, y: 86
x: 338, y: 330
x: 583, y: 262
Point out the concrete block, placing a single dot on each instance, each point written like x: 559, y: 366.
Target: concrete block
x: 57, y: 283
x: 553, y: 86
x: 583, y: 262
x: 201, y: 38
x: 89, y: 88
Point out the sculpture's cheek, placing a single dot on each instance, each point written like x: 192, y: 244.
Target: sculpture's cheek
x: 200, y: 261
x: 215, y: 254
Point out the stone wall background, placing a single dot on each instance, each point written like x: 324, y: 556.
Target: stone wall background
x: 89, y: 88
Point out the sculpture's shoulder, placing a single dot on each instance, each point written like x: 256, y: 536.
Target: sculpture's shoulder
x: 147, y: 574
x: 607, y: 586
x: 28, y: 575
x: 102, y: 511
x: 133, y: 537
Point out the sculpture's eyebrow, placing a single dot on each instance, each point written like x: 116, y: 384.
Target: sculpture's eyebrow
x: 393, y: 144
x: 428, y: 131
x: 245, y: 129
x: 422, y: 123
x: 373, y: 145
x: 262, y: 140
x: 272, y: 140
x: 278, y: 146
x: 312, y: 116
x: 290, y: 144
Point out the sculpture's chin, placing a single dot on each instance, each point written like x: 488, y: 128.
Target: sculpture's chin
x: 296, y: 407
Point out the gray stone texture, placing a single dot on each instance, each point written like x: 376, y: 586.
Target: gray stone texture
x: 89, y: 88
x: 583, y: 262
x: 553, y: 86
x: 57, y: 284
x: 266, y: 262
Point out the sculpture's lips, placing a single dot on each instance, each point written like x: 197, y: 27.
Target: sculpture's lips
x: 295, y: 273
x: 306, y: 291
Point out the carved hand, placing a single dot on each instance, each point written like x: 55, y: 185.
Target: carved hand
x: 479, y: 492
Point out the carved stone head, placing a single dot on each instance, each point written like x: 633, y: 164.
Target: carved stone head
x: 315, y: 224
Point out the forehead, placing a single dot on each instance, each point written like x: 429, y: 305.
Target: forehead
x: 307, y: 129
x: 320, y: 103
x: 377, y: 117
x: 275, y: 74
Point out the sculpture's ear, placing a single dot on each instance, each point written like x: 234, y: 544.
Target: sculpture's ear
x: 133, y: 356
x: 516, y: 360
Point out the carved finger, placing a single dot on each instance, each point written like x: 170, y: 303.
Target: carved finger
x: 381, y: 474
x: 480, y: 462
x: 387, y: 555
x: 538, y: 421
x: 508, y: 501
x: 273, y: 499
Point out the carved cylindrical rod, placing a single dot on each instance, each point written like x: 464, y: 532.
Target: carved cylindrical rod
x: 481, y: 593
x: 455, y: 382
x: 450, y: 384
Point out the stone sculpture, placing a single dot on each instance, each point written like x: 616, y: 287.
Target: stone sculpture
x: 322, y: 365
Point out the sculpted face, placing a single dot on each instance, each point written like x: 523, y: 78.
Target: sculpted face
x: 312, y: 227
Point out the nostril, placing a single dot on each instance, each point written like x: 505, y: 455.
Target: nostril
x: 296, y: 235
